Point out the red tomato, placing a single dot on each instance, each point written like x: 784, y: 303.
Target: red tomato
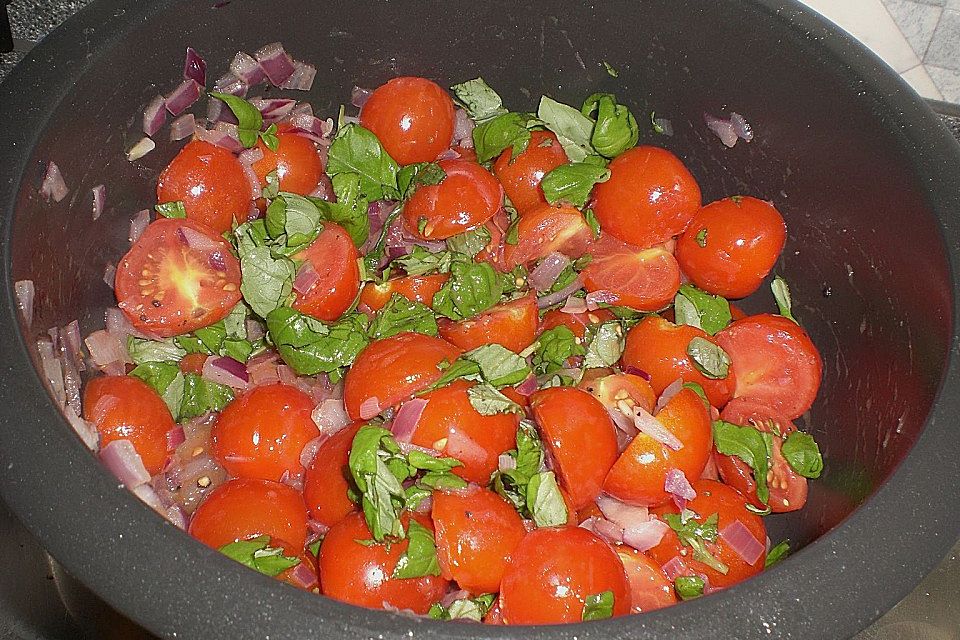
x: 467, y: 197
x: 393, y: 369
x: 640, y: 472
x: 511, y: 324
x: 333, y: 257
x: 412, y: 117
x: 731, y: 245
x: 578, y: 433
x: 521, y: 176
x: 649, y: 198
x: 304, y: 575
x: 211, y: 184
x: 127, y: 408
x: 328, y: 478
x: 477, y: 531
x: 362, y: 574
x: 775, y: 361
x: 415, y: 288
x: 788, y: 490
x: 262, y: 432
x: 450, y: 424
x: 246, y: 508
x: 611, y: 390
x: 714, y: 498
x: 576, y: 322
x: 659, y: 348
x: 296, y: 162
x: 493, y: 252
x: 178, y: 277
x: 193, y: 363
x: 554, y: 571
x: 649, y: 587
x: 545, y: 230
x: 642, y: 279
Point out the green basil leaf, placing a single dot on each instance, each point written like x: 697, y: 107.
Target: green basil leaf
x: 572, y: 128
x: 605, y: 344
x: 777, y: 553
x: 545, y: 501
x: 401, y: 314
x: 613, y: 73
x: 141, y: 350
x: 591, y: 219
x: 695, y: 534
x: 554, y: 347
x: 211, y: 337
x: 293, y: 216
x: 201, y: 396
x: 479, y: 101
x: 464, y: 608
x: 257, y: 554
x: 598, y: 606
x: 272, y: 188
x: 250, y: 235
x: 470, y: 243
x: 573, y: 183
x: 310, y: 347
x: 472, y: 288
x: 270, y: 139
x: 418, y: 174
x: 266, y: 282
x: 530, y: 453
x: 350, y: 209
x: 749, y: 445
x: 700, y: 309
x: 249, y: 118
x: 166, y: 379
x: 801, y: 452
x: 420, y: 558
x: 235, y: 324
x: 491, y: 137
x: 420, y: 461
x: 487, y: 401
x: 382, y: 495
x: 357, y: 150
x: 435, y: 480
x: 498, y: 365
x: 171, y: 209
x: 697, y: 389
x: 616, y: 129
x: 781, y: 293
x: 708, y: 358
x: 688, y: 587
x: 414, y: 495
x: 420, y: 262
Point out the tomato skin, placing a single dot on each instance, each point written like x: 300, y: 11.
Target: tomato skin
x: 659, y: 348
x: 414, y: 288
x: 262, y: 432
x: 334, y: 258
x: 639, y: 473
x: 124, y: 407
x: 474, y: 439
x: 412, y: 117
x: 554, y: 556
x: 477, y: 531
x: 521, y: 176
x: 210, y: 182
x: 742, y: 238
x: 580, y: 436
x: 547, y: 229
x: 576, y: 322
x: 467, y: 197
x: 788, y: 490
x: 165, y: 287
x: 776, y: 363
x: 642, y: 279
x: 395, y: 368
x: 360, y: 575
x: 622, y: 387
x: 327, y: 479
x: 296, y: 162
x: 649, y: 198
x: 729, y: 505
x: 511, y: 324
x: 650, y: 589
x: 246, y: 508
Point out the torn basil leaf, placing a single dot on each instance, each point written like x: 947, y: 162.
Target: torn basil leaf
x: 418, y: 174
x: 469, y: 243
x: 493, y: 136
x: 472, y: 289
x: 572, y: 128
x: 753, y: 447
x: 487, y: 401
x: 171, y: 209
x: 801, y: 452
x: 479, y: 101
x: 708, y: 358
x: 464, y: 608
x: 420, y: 558
x: 688, y: 587
x: 544, y: 500
x: 573, y: 183
x: 266, y: 282
x: 357, y: 150
x: 142, y: 350
x: 382, y: 495
x: 700, y: 309
x: 249, y: 118
x: 554, y: 347
x: 616, y: 129
x: 695, y: 534
x: 161, y: 376
x: 310, y: 347
x: 294, y: 218
x: 201, y: 396
x: 420, y: 262
x: 257, y: 554
x: 605, y: 344
x: 498, y: 365
x: 401, y: 314
x: 598, y: 606
x: 350, y: 209
x: 781, y: 293
x: 777, y: 553
x: 613, y: 73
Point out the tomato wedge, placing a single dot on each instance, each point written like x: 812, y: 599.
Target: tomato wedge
x: 642, y: 279
x: 545, y: 230
x: 511, y: 324
x: 327, y: 480
x: 649, y: 587
x: 178, y: 277
x: 333, y: 277
x: 576, y: 322
x: 414, y: 288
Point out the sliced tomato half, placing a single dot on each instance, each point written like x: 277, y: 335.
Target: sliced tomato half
x: 511, y: 324
x: 545, y: 230
x: 642, y: 279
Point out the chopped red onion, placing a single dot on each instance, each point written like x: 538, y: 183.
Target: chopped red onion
x: 710, y: 471
x: 195, y: 68
x: 603, y: 528
x: 448, y: 154
x: 217, y: 111
x: 330, y: 416
x: 672, y: 389
x: 293, y: 480
x: 462, y: 130
x: 302, y: 108
x: 231, y: 84
x: 742, y: 542
x: 528, y: 386
x: 118, y: 324
x: 425, y: 505
x: 255, y: 330
x: 636, y: 371
x: 302, y: 77
x: 369, y: 408
x: 197, y: 240
x: 144, y: 146
x: 181, y: 98
x: 317, y: 528
x: 263, y: 373
x: 154, y: 116
x: 122, y: 459
x: 106, y: 348
x: 506, y: 462
x: 306, y: 278
x: 176, y: 516
x: 194, y: 478
x: 149, y: 496
x: 723, y: 129
x: 138, y: 224
x: 546, y: 273
x: 741, y: 127
x: 87, y: 432
x: 220, y: 139
x: 251, y: 156
x: 405, y: 422
x: 99, y: 198
x: 175, y: 437
x: 574, y: 305
x: 52, y: 370
x: 226, y: 370
x: 183, y: 127
x: 624, y: 424
x: 554, y: 298
x: 26, y: 293
x: 310, y: 449
x: 310, y: 126
x: 246, y: 69
x: 649, y: 425
x: 677, y: 485
x: 255, y: 189
x: 406, y: 447
x: 275, y: 62
x: 303, y: 576
x: 53, y: 185
x: 359, y: 96
x: 595, y: 298
x: 623, y: 514
x: 646, y: 535
x: 273, y: 109
x: 674, y: 568
x: 70, y: 340
x: 110, y: 274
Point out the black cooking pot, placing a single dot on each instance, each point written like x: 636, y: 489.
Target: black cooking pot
x: 860, y: 168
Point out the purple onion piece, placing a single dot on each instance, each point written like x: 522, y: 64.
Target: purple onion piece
x: 273, y: 109
x: 230, y: 84
x: 183, y: 127
x: 359, y: 96
x: 302, y: 77
x: 122, y: 459
x: 138, y: 224
x: 53, y: 186
x: 245, y: 68
x: 154, y: 116
x: 275, y: 62
x: 183, y: 97
x: 194, y: 67
x: 99, y: 199
x: 554, y: 298
x: 220, y: 139
x: 723, y: 129
x: 26, y: 294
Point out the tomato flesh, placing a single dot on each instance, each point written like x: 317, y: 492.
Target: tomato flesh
x: 511, y: 324
x: 650, y: 589
x: 296, y: 162
x: 642, y: 279
x: 545, y: 230
x: 414, y: 288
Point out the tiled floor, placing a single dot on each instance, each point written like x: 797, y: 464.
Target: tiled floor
x: 920, y: 39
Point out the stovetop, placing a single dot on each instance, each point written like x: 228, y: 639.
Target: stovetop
x: 31, y: 584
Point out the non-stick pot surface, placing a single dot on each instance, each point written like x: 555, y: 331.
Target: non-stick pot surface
x: 859, y: 167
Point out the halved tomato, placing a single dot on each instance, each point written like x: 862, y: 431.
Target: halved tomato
x: 335, y: 281
x: 328, y: 479
x: 415, y: 288
x: 521, y: 176
x: 511, y: 324
x: 467, y: 197
x: 627, y: 388
x: 649, y: 587
x: 576, y: 322
x: 545, y: 230
x: 179, y: 276
x: 642, y: 279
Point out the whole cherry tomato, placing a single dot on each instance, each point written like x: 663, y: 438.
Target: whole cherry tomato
x: 642, y: 279
x: 328, y: 479
x: 211, y: 184
x: 649, y: 587
x: 547, y: 229
x: 335, y: 279
x: 412, y: 117
x: 415, y: 288
x: 467, y: 197
x: 521, y: 176
x: 510, y: 324
x: 245, y: 508
x: 296, y: 162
